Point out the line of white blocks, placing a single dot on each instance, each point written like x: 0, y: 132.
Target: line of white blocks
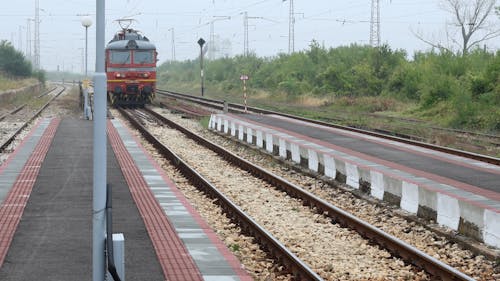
x: 476, y: 216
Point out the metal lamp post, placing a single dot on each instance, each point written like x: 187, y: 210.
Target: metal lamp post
x: 201, y: 42
x: 86, y: 22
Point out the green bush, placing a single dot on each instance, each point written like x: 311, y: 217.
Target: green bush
x: 12, y: 62
x: 405, y: 83
x: 40, y: 75
x: 460, y: 90
x: 465, y: 111
x: 438, y: 89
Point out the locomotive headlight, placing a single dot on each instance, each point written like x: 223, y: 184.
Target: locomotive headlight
x: 119, y: 75
x: 145, y: 75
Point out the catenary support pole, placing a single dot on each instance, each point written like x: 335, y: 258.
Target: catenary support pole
x: 99, y: 187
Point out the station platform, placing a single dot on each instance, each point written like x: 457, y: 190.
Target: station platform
x: 456, y: 192
x: 46, y: 211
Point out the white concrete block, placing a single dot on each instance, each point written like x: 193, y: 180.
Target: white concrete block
x: 352, y: 175
x: 295, y: 149
x: 330, y: 169
x: 214, y: 122
x: 491, y: 232
x: 282, y: 144
x: 340, y: 166
x: 313, y: 160
x: 249, y: 135
x: 233, y: 129
x: 377, y: 184
x: 260, y: 141
x: 119, y: 256
x: 409, y: 198
x: 448, y: 211
x: 219, y: 124
x: 240, y: 132
x: 472, y: 213
x: 211, y: 122
x: 226, y: 126
x: 269, y: 143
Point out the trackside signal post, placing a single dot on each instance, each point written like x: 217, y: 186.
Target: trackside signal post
x: 201, y: 42
x: 244, y: 78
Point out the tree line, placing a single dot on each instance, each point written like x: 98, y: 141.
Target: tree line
x: 466, y: 85
x: 13, y: 63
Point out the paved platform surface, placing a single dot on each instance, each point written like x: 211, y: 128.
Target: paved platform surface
x: 46, y: 211
x: 53, y: 238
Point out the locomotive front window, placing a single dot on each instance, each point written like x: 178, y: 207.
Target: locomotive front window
x: 142, y: 57
x: 119, y: 57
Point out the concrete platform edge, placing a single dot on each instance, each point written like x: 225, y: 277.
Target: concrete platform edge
x: 450, y: 206
x: 162, y: 187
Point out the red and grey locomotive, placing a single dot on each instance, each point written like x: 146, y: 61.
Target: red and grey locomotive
x: 130, y: 68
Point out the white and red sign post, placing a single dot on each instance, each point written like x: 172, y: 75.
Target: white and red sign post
x: 244, y: 78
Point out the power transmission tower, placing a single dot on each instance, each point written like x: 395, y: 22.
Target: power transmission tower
x: 211, y: 44
x: 37, y: 35
x: 375, y: 24
x: 245, y: 33
x: 20, y: 35
x: 173, y: 42
x: 291, y: 29
x: 28, y: 39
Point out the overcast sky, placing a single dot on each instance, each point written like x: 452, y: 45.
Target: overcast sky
x: 330, y: 22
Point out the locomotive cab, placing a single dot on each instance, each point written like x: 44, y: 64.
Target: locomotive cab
x: 131, y: 69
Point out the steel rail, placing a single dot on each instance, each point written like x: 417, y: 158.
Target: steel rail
x: 238, y: 108
x: 47, y: 92
x: 217, y: 104
x: 13, y: 111
x: 185, y: 109
x: 24, y: 105
x: 298, y: 268
x: 392, y: 244
x: 6, y: 143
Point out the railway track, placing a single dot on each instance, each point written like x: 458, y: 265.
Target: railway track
x: 404, y: 138
x: 17, y: 109
x: 398, y: 248
x: 21, y: 107
x: 9, y: 134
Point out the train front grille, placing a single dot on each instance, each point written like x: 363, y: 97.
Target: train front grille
x: 132, y: 88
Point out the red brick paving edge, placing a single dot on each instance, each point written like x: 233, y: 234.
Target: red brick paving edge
x: 229, y: 256
x: 172, y: 255
x: 12, y: 208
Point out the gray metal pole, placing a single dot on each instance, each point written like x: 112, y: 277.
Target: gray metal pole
x: 86, y: 49
x: 99, y: 188
x: 201, y: 42
x: 202, y: 73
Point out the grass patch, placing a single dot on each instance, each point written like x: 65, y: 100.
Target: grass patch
x: 204, y: 121
x: 11, y: 84
x: 235, y: 247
